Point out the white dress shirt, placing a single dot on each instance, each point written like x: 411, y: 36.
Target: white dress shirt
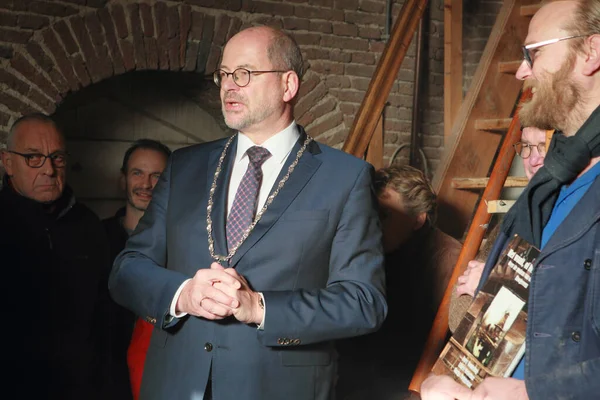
x: 280, y: 146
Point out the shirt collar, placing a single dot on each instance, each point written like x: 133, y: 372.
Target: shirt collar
x: 279, y: 145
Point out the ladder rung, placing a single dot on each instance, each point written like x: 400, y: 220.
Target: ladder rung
x: 493, y: 124
x: 509, y: 67
x: 499, y: 206
x: 481, y: 183
x: 529, y: 10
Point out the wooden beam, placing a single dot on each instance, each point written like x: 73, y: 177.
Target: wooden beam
x: 509, y: 67
x: 499, y: 206
x: 530, y: 10
x: 375, y: 149
x: 384, y: 77
x: 453, y: 65
x: 481, y: 183
x: 493, y: 124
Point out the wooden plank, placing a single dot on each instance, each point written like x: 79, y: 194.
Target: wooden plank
x: 453, y: 65
x: 493, y: 124
x: 499, y: 206
x: 529, y: 10
x: 481, y: 183
x: 468, y: 151
x: 384, y: 77
x: 375, y: 149
x: 509, y: 67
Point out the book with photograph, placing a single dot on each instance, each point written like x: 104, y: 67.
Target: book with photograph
x: 490, y: 339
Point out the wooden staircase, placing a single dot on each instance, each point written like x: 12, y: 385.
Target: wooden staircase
x: 484, y: 116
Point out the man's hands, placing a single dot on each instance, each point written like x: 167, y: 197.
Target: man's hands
x: 468, y: 281
x: 217, y: 293
x: 442, y: 387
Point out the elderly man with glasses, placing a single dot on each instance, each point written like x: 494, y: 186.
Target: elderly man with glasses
x: 55, y: 270
x: 558, y: 212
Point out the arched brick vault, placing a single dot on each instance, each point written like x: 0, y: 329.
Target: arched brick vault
x: 50, y: 48
x: 53, y: 48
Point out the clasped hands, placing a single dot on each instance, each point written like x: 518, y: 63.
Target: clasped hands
x: 218, y: 293
x: 442, y: 387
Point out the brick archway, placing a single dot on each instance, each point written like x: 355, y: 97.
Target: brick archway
x: 87, y: 47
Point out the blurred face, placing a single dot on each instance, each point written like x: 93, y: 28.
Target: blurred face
x: 44, y: 184
x: 535, y: 161
x: 259, y: 106
x: 397, y: 223
x: 552, y: 78
x: 143, y: 170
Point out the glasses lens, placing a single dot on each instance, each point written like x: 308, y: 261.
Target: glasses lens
x: 527, y: 57
x: 35, y: 160
x: 59, y: 160
x: 541, y: 147
x: 518, y: 148
x: 217, y: 77
x: 241, y: 77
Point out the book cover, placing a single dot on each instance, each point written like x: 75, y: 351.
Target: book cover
x: 490, y: 339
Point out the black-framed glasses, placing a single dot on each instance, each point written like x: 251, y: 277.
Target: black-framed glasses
x: 523, y: 149
x: 37, y: 160
x: 528, y: 57
x: 241, y: 76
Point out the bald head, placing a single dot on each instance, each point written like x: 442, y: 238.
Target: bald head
x: 24, y: 120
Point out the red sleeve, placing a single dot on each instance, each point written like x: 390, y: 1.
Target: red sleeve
x: 136, y: 354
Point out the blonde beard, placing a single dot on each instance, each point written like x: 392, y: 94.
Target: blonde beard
x: 557, y: 102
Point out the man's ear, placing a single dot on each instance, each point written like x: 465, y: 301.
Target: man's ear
x: 592, y: 62
x: 6, y: 162
x: 420, y: 221
x: 291, y: 85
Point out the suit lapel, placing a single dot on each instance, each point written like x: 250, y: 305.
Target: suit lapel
x: 220, y: 197
x: 307, y: 166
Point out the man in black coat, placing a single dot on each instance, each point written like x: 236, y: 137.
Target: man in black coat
x: 55, y: 263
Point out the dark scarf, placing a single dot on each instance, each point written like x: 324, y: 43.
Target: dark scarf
x: 566, y: 158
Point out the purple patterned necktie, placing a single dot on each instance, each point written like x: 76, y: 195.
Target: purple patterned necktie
x: 246, y: 197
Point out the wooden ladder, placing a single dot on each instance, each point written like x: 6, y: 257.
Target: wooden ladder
x: 482, y: 134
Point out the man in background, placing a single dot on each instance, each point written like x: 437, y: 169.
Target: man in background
x: 419, y: 259
x: 55, y: 269
x: 142, y: 165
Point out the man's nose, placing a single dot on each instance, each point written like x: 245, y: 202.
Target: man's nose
x: 48, y: 167
x: 524, y: 71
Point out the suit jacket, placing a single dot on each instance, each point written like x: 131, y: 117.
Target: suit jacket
x: 315, y: 255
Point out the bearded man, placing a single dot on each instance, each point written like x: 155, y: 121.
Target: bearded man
x: 559, y: 212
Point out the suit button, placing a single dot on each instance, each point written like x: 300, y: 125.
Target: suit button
x: 576, y: 336
x: 208, y: 347
x: 296, y: 341
x: 280, y: 341
x: 587, y: 264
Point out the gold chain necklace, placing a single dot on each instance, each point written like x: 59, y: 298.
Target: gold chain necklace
x: 211, y: 242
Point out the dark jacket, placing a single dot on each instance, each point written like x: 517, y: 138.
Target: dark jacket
x: 122, y: 320
x: 562, y: 357
x: 55, y: 264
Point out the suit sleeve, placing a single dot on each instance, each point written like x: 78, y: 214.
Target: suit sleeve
x: 139, y: 280
x: 353, y: 301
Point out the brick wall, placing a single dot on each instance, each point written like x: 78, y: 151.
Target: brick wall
x: 49, y: 49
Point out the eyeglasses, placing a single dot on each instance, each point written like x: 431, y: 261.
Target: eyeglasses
x: 528, y: 57
x: 37, y: 160
x: 523, y: 149
x: 241, y: 76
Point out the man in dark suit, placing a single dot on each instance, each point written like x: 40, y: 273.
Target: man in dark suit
x: 54, y: 255
x: 257, y: 251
